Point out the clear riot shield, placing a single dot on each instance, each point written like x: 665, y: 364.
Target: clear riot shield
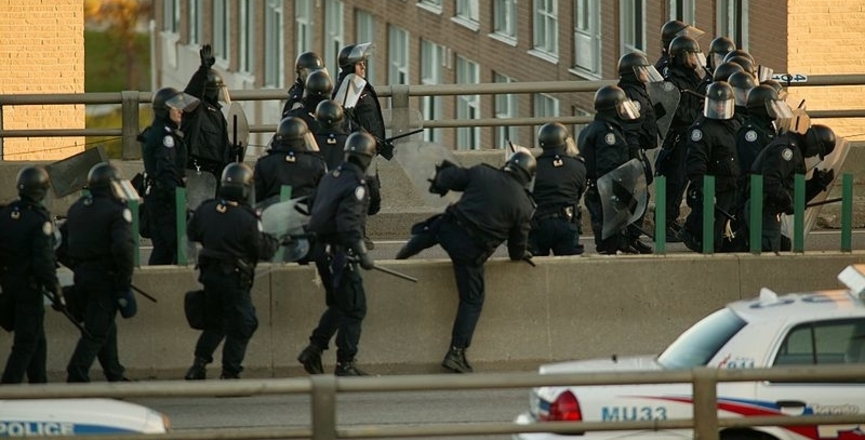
x: 350, y: 90
x: 287, y: 222
x: 665, y: 97
x: 238, y: 130
x: 419, y: 159
x: 200, y: 186
x: 624, y: 195
x: 70, y: 175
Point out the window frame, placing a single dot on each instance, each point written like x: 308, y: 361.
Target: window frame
x: 246, y: 46
x: 432, y: 73
x: 590, y: 32
x: 632, y: 18
x: 398, y: 41
x: 468, y: 106
x: 274, y: 29
x: 334, y: 25
x: 545, y: 39
x: 506, y: 106
x: 733, y: 21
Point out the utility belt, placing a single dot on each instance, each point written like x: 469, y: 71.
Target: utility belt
x: 567, y: 213
x: 228, y: 265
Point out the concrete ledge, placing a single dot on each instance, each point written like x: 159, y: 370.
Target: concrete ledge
x: 565, y: 308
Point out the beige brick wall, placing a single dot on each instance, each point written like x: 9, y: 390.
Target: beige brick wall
x: 827, y: 37
x: 41, y: 51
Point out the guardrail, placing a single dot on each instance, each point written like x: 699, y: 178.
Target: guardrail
x: 324, y: 389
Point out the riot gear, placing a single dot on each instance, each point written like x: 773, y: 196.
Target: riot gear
x: 32, y: 183
x: 763, y: 100
x: 104, y: 179
x: 360, y: 149
x: 610, y: 99
x: 720, y: 102
x: 718, y: 49
x: 293, y: 132
x: 552, y: 135
x: 353, y: 54
x: 215, y: 89
x: 742, y: 83
x: 318, y: 86
x: 236, y: 182
x: 522, y: 166
x: 746, y: 63
x: 740, y: 53
x: 307, y: 63
x: 169, y: 97
x: 685, y: 51
x: 723, y: 71
x: 819, y: 140
x: 329, y: 113
x: 779, y: 89
x: 637, y: 65
x: 675, y: 28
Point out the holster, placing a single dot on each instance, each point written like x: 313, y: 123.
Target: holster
x: 246, y: 272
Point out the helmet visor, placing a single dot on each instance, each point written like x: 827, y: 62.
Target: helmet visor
x: 741, y: 96
x: 717, y: 59
x: 798, y: 122
x: 360, y: 52
x: 764, y: 73
x: 719, y: 109
x: 309, y: 142
x: 690, y: 31
x: 223, y: 95
x: 778, y: 109
x: 627, y: 110
x: 648, y: 74
x: 182, y: 101
x: 123, y: 190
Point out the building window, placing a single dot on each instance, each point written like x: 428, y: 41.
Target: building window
x: 431, y: 64
x: 247, y: 35
x: 432, y: 5
x: 587, y: 37
x: 733, y: 21
x: 365, y: 30
x: 220, y: 29
x: 274, y: 45
x: 467, y: 13
x: 303, y: 26
x: 398, y: 56
x: 505, y: 18
x: 546, y: 107
x: 546, y: 27
x: 171, y: 16
x: 468, y: 106
x: 334, y: 27
x: 196, y: 23
x: 682, y: 10
x: 506, y: 108
x: 632, y: 24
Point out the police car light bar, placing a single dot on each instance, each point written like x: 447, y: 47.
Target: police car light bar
x: 853, y: 277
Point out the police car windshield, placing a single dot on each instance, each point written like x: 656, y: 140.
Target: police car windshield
x: 698, y: 344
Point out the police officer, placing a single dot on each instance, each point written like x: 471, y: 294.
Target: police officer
x: 779, y: 163
x: 495, y: 206
x: 711, y: 151
x: 232, y: 243
x: 99, y: 243
x: 27, y: 266
x: 742, y: 83
x: 684, y: 73
x: 330, y: 136
x: 304, y: 64
x: 559, y: 185
x: 758, y: 129
x: 205, y: 128
x: 338, y: 217
x: 164, y: 153
x: 641, y: 133
x: 604, y: 146
x: 318, y: 88
x: 669, y: 31
x: 718, y: 49
x: 291, y: 161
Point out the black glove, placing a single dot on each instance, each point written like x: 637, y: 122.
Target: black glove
x: 363, y: 257
x: 788, y: 205
x: 435, y: 189
x: 126, y: 304
x: 824, y: 177
x: 206, y: 54
x: 695, y: 195
x: 526, y: 256
x: 385, y: 149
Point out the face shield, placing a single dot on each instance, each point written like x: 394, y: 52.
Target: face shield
x: 222, y: 94
x: 690, y: 31
x: 719, y: 109
x: 123, y: 190
x: 718, y: 59
x: 183, y: 102
x: 764, y: 73
x: 741, y: 96
x: 627, y: 110
x: 360, y: 52
x: 798, y: 122
x: 309, y: 142
x: 648, y: 74
x: 778, y: 109
x: 571, y: 148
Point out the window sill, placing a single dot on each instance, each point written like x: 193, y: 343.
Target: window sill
x: 546, y: 56
x: 472, y: 25
x: 507, y: 39
x: 584, y: 74
x: 430, y: 8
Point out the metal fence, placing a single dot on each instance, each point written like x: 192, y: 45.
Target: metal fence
x: 323, y: 390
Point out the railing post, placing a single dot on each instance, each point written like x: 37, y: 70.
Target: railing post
x: 323, y: 406
x: 129, y: 128
x: 180, y: 224
x: 708, y: 215
x: 847, y: 213
x: 755, y: 220
x: 660, y: 215
x: 705, y: 403
x: 799, y: 214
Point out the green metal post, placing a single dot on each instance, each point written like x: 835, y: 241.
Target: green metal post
x: 755, y: 217
x: 708, y: 215
x: 284, y: 195
x: 180, y: 209
x: 799, y: 214
x: 133, y: 208
x: 660, y: 215
x: 847, y: 213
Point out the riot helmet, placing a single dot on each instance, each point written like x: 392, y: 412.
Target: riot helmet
x: 819, y: 140
x: 521, y: 165
x: 353, y: 54
x: 675, y: 28
x: 718, y: 49
x: 553, y: 135
x: 612, y: 101
x: 318, y: 86
x: 723, y: 71
x: 169, y: 97
x: 741, y: 53
x: 685, y: 52
x: 779, y: 89
x: 747, y: 63
x: 305, y: 64
x: 104, y: 180
x: 292, y: 132
x: 329, y: 113
x: 636, y: 65
x: 360, y: 149
x: 742, y: 83
x: 236, y: 182
x: 32, y: 183
x: 763, y: 101
x: 719, y: 102
x: 215, y: 89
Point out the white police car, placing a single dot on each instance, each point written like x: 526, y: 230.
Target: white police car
x: 823, y: 327
x: 71, y: 417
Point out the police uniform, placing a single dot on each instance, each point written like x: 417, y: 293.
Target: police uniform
x: 205, y: 129
x: 232, y: 245
x: 306, y: 111
x: 559, y: 184
x: 164, y: 153
x: 338, y: 217
x: 301, y: 170
x: 604, y: 146
x: 295, y: 98
x: 99, y: 242
x: 27, y: 265
x: 711, y: 151
x: 331, y: 142
x: 751, y: 138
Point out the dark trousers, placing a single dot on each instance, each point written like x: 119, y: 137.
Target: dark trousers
x: 468, y: 260
x: 616, y: 241
x: 556, y: 234
x: 29, y: 347
x: 230, y: 315
x: 161, y: 212
x: 725, y: 200
x: 101, y: 337
x: 346, y: 304
x: 771, y: 235
x: 671, y: 164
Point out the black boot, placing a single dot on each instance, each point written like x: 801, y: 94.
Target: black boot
x: 225, y: 375
x: 348, y: 369
x: 641, y: 247
x: 198, y: 370
x: 310, y: 357
x: 456, y: 361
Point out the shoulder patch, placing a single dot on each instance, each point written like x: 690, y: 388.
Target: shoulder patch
x: 637, y: 104
x: 168, y: 142
x: 127, y: 215
x: 696, y: 135
x: 359, y: 192
x: 750, y: 135
x: 787, y: 154
x: 610, y: 139
x: 47, y: 228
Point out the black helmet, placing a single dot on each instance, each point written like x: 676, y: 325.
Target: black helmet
x: 742, y: 83
x: 680, y: 48
x: 819, y: 141
x: 719, y: 102
x: 763, y: 100
x: 742, y: 53
x: 360, y: 149
x: 236, y: 182
x: 612, y: 101
x: 305, y: 64
x: 215, y: 88
x: 723, y: 71
x: 353, y: 54
x: 101, y: 177
x: 747, y: 63
x: 32, y: 183
x: 318, y: 86
x: 671, y: 30
x: 635, y: 65
x: 552, y: 135
x: 329, y: 113
x: 522, y: 166
x: 169, y: 97
x: 718, y: 49
x: 773, y: 84
x: 292, y: 132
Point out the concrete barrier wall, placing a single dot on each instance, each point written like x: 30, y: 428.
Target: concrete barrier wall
x: 565, y: 308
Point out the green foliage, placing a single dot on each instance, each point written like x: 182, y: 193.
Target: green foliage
x: 106, y: 67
